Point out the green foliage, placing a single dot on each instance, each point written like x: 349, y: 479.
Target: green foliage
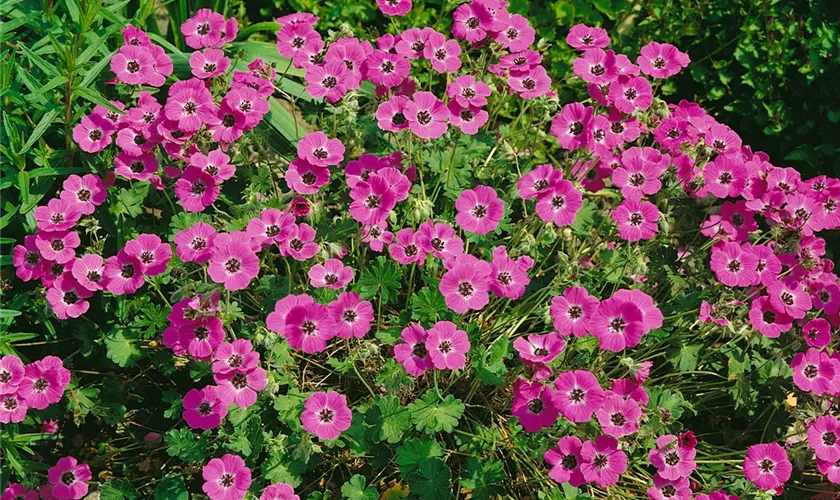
x: 431, y: 415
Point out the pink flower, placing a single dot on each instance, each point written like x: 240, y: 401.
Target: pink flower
x: 203, y: 409
x: 439, y: 240
x: 276, y: 320
x: 88, y: 192
x: 559, y: 203
x: 67, y: 298
x: 58, y: 215
x: 602, y: 461
x: 227, y: 124
x: 326, y: 415
x: 11, y: 374
x: 766, y: 320
x: 767, y: 466
x: 331, y: 274
x: 725, y: 177
x: 93, y: 134
x: 823, y: 436
x: 57, y: 246
x: 233, y: 263
x: 618, y: 324
x: 152, y: 254
x: 596, y: 66
x: 350, y: 316
x: 308, y: 327
x: 532, y: 83
x: 669, y: 489
x: 583, y: 37
x: 509, y: 277
x: 652, y: 317
x: 539, y: 348
x: 618, y: 417
x: 517, y: 64
x: 300, y: 207
x: 196, y: 190
x: 479, y: 210
x: 468, y: 120
x: 68, y: 479
x: 412, y: 42
x: 447, y: 346
x: 209, y: 63
x: 812, y: 372
x: 279, y: 491
x: 226, y: 478
x: 300, y: 244
x: 394, y: 7
x: 387, y: 69
x: 466, y: 283
x: 195, y: 243
x: 471, y: 22
x: 639, y: 172
x: 636, y: 220
x: 817, y: 333
x: 426, y: 115
x: 734, y: 266
x: 272, y: 226
x: 249, y: 102
x: 532, y: 405
x: 190, y: 104
x: 123, y: 274
x: 570, y: 126
x: 391, y: 114
x: 572, y: 312
x: 578, y: 395
x: 443, y: 54
x: 141, y: 168
x: 215, y: 164
x: 466, y: 91
x: 133, y: 65
x: 537, y: 181
x: 830, y: 469
x: 630, y: 389
x: 13, y: 408
x: 319, y: 150
x: 305, y: 178
x: 377, y: 236
x: 565, y: 461
x: 330, y: 81
x: 661, y: 60
x: 17, y: 491
x: 671, y: 460
x: 240, y: 388
x: 412, y: 352
x: 200, y: 337
x: 236, y: 356
x: 205, y: 29
x: 789, y: 296
x: 372, y: 200
x: 27, y: 259
x: 405, y: 249
x: 515, y: 34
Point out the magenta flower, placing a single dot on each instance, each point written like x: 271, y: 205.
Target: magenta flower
x: 300, y: 206
x: 215, y: 164
x: 618, y: 417
x: 377, y: 236
x: 195, y: 243
x: 88, y: 192
x: 652, y: 317
x: 479, y: 210
x: 671, y: 460
x: 190, y: 104
x: 330, y: 81
x: 812, y: 372
x: 517, y: 64
x: 319, y: 150
x: 93, y: 133
x: 596, y: 66
x: 412, y: 352
x: 57, y: 215
x: 468, y: 120
x: 331, y: 274
x: 789, y: 296
x: 43, y: 382
x: 27, y: 259
x: 67, y: 297
x: 406, y: 249
x: 389, y: 70
x: 412, y: 42
x: 578, y: 395
x: 468, y: 92
x: 539, y: 348
x: 725, y: 177
x: 439, y: 240
x: 227, y: 124
x: 391, y: 115
x: 304, y: 178
x: 447, y: 346
x: 636, y: 220
x: 530, y: 84
x: 57, y: 246
x: 471, y: 22
x: 394, y: 7
x: 326, y: 415
x: 152, y: 254
x: 203, y: 409
x: 583, y: 37
x: 123, y: 274
x: 279, y: 491
x: 466, y: 283
x: 196, y: 190
x: 350, y: 316
x: 233, y: 263
x: 208, y: 63
x: 537, y: 181
x: 532, y: 405
x: 602, y: 461
x: 17, y: 491
x: 817, y: 333
x: 661, y: 60
x: 639, y: 172
x: 734, y: 266
x: 11, y: 374
x: 308, y: 327
x: 509, y: 277
x: 630, y: 389
x: 226, y: 478
x: 372, y: 200
x: 830, y: 469
x: 572, y: 312
x: 571, y: 125
x: 559, y: 203
x: 240, y: 388
x: 68, y: 479
x: 766, y: 320
x: 13, y: 408
x: 141, y: 168
x: 669, y: 489
x: 426, y: 115
x: 249, y: 102
x: 272, y: 226
x: 823, y: 436
x: 565, y: 461
x: 515, y: 34
x: 276, y: 320
x: 201, y: 337
x: 442, y: 53
x: 767, y: 466
x: 300, y: 244
x: 618, y: 324
x: 133, y: 65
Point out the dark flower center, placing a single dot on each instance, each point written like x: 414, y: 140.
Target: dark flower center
x: 718, y: 144
x: 569, y: 462
x: 95, y: 134
x: 597, y: 70
x: 512, y: 33
x: 535, y: 405
x: 211, y: 169
x: 127, y: 271
x: 387, y: 66
x: 209, y: 67
x: 41, y: 384
x: 466, y: 115
x: 132, y: 66
x: 600, y: 461
x: 577, y: 395
x: 349, y: 316
x: 57, y: 245
x: 57, y: 218
x: 68, y: 478
x: 205, y: 409
x: 309, y: 328
x: 617, y: 325
x: 440, y: 54
x: 529, y: 84
x: 398, y: 119
x: 419, y: 350
x: 636, y: 219
x: 70, y: 298
x: 472, y: 23
x: 202, y: 332
x: 766, y: 466
x: 829, y: 438
x: 787, y: 299
x: 83, y: 195
x: 326, y: 415
x: 659, y: 62
x: 576, y: 128
x: 617, y: 127
x: 330, y: 279
x: 630, y: 94
x: 558, y: 202
x: 227, y: 480
x: 203, y: 29
x: 329, y: 82
x: 618, y: 419
x: 5, y: 377
x: 540, y: 184
x: 668, y: 491
x: 479, y: 211
x: 672, y: 458
x: 445, y: 347
x: 373, y: 202
x: 32, y: 258
x: 198, y: 243
x: 190, y: 107
x: 769, y: 317
x: 810, y: 371
x: 137, y: 167
x: 504, y: 278
x: 725, y: 178
x: 437, y: 244
x: 228, y: 120
x: 308, y: 178
x: 636, y: 179
x: 540, y: 351
x: 10, y: 403
x: 147, y: 257
x: 296, y: 245
x: 320, y: 153
x: 418, y: 46
x: 411, y: 250
x: 198, y: 188
x: 734, y: 266
x: 233, y: 265
x: 467, y: 93
x: 239, y: 381
x: 673, y: 133
x: 235, y: 361
x: 465, y: 289
x: 424, y: 117
x: 272, y: 231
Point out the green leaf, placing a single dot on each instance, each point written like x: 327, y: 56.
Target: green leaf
x: 396, y: 419
x: 354, y: 489
x: 431, y: 480
x: 121, y: 350
x: 117, y: 489
x: 184, y: 445
x: 430, y: 415
x: 685, y: 357
x: 414, y: 451
x: 172, y: 488
x: 428, y: 305
x: 483, y: 478
x: 384, y: 278
x: 39, y: 129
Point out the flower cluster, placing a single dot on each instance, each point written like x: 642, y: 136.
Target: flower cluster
x: 67, y: 481
x: 35, y: 386
x: 228, y: 478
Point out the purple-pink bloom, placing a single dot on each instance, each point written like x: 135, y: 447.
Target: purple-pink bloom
x: 602, y: 461
x: 203, y: 409
x: 69, y: 478
x: 539, y: 348
x: 57, y: 215
x: 67, y: 297
x: 326, y: 415
x: 123, y: 274
x: 426, y: 115
x: 637, y: 220
x: 447, y: 346
x: 331, y: 274
x: 233, y: 263
x: 767, y: 465
x: 572, y: 312
x: 583, y: 37
x: 571, y: 125
x: 479, y: 209
x: 618, y: 324
x: 578, y: 395
x: 661, y: 60
x: 412, y: 352
x: 194, y: 243
x: 305, y: 178
x: 532, y: 405
x: 226, y: 478
x: 565, y: 461
x: 318, y: 149
x: 596, y: 66
x: 559, y: 203
x: 240, y: 387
